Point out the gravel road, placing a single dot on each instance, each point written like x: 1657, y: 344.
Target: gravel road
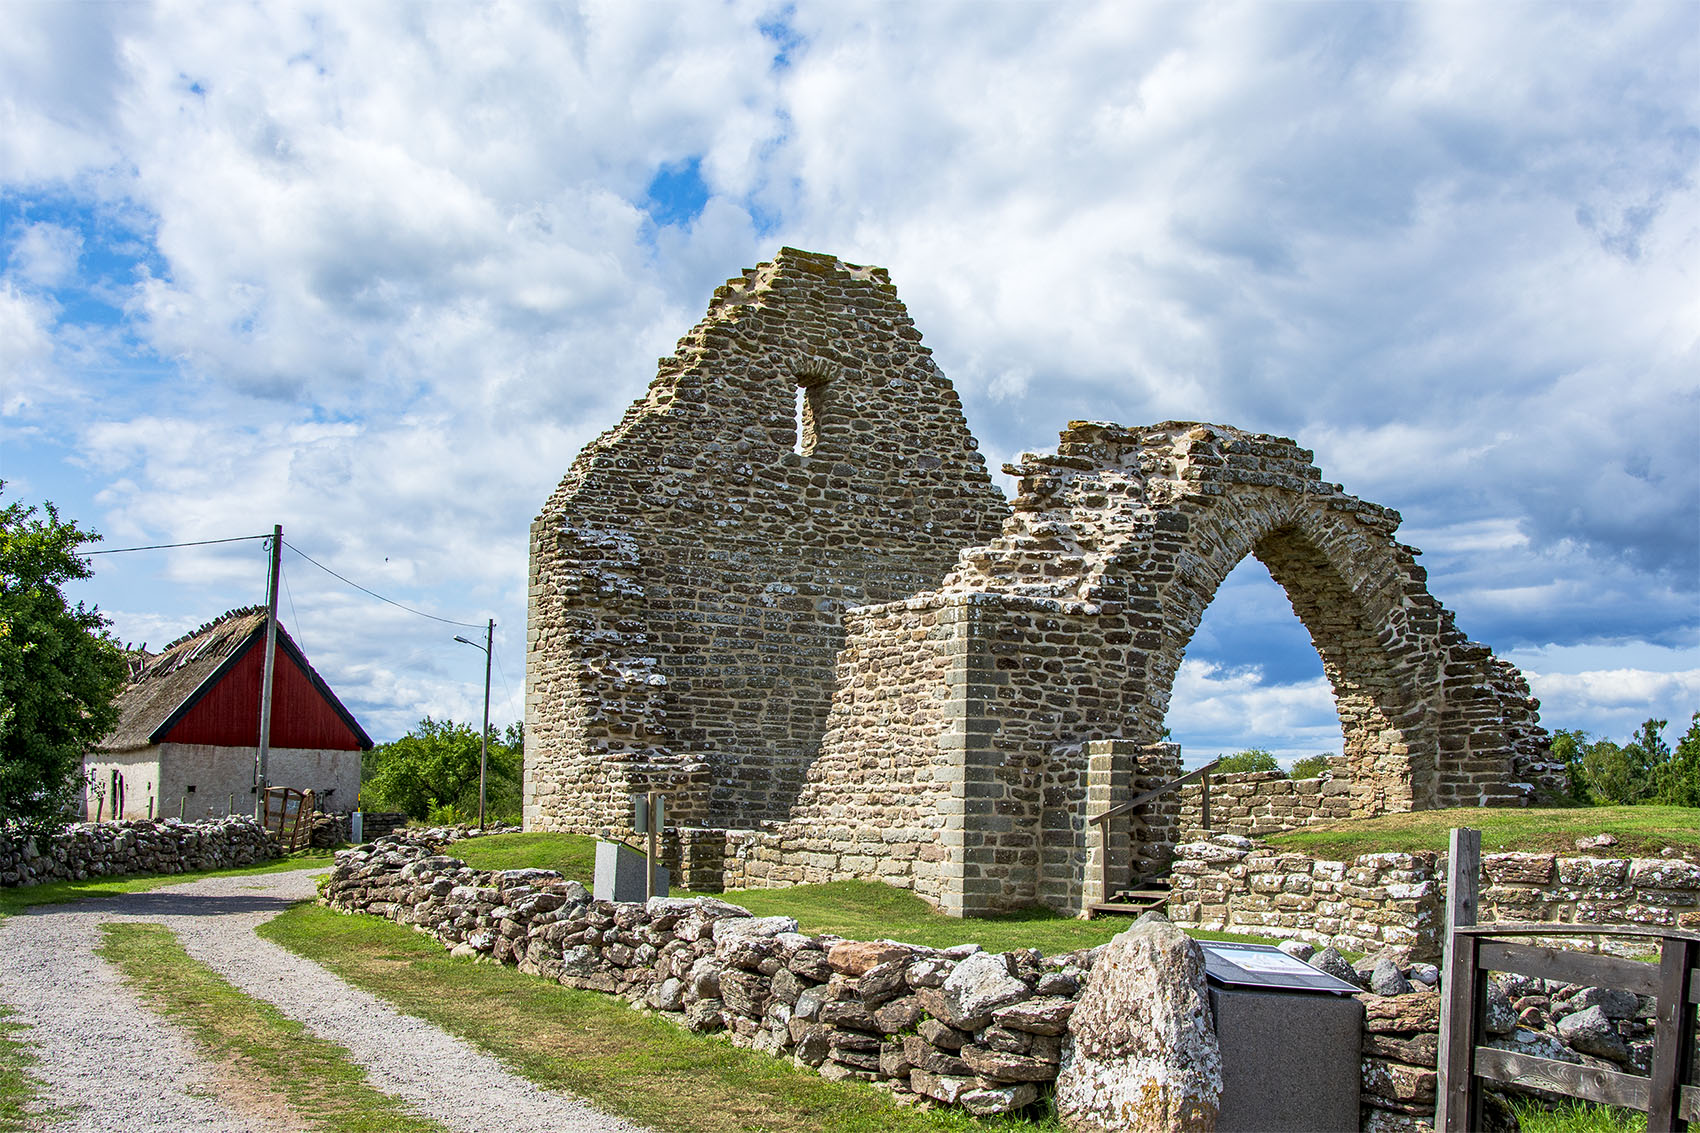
x: 125, y: 1069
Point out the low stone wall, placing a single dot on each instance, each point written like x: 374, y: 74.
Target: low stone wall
x: 961, y: 1026
x: 1256, y: 803
x: 1233, y: 884
x: 110, y: 849
x: 1379, y: 901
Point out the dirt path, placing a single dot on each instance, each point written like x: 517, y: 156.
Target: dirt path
x: 125, y: 1069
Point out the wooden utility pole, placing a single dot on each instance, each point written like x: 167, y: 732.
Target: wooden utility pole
x: 484, y: 734
x: 260, y: 781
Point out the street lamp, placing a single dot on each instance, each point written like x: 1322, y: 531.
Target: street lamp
x: 484, y: 734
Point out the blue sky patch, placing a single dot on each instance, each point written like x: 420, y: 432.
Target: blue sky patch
x: 676, y: 194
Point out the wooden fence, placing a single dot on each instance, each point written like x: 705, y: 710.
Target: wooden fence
x: 1669, y: 1096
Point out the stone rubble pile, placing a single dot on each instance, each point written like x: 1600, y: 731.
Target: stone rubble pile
x: 109, y: 849
x: 961, y: 1026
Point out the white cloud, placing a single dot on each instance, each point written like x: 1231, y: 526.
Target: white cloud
x: 28, y: 373
x: 45, y: 255
x: 384, y: 267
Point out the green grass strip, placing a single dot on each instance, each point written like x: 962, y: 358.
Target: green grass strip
x: 1641, y: 831
x: 1575, y: 1117
x: 316, y: 1079
x: 20, y: 1094
x: 624, y: 1061
x: 59, y: 892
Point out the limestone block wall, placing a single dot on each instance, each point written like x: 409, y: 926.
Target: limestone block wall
x: 798, y: 454
x: 1233, y: 884
x: 1255, y: 803
x: 1375, y: 902
x: 957, y: 756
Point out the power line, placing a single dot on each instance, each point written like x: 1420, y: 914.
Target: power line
x: 168, y: 546
x: 374, y: 593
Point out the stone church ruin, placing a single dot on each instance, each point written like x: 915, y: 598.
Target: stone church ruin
x: 785, y: 591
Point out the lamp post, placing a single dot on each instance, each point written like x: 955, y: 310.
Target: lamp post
x: 484, y: 733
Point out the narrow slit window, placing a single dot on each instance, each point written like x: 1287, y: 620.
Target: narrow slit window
x: 811, y: 404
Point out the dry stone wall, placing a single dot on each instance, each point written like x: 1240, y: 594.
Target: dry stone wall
x: 1393, y: 901
x: 111, y: 849
x: 987, y: 1032
x: 960, y: 1026
x: 798, y: 454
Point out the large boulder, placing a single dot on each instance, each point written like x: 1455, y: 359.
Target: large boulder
x: 1142, y: 1052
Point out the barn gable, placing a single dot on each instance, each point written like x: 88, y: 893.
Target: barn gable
x: 204, y: 688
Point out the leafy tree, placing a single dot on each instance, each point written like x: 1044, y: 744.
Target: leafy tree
x: 433, y: 769
x: 1678, y: 778
x: 59, y: 669
x: 1568, y: 745
x: 1309, y: 767
x: 1252, y: 759
x: 1643, y: 770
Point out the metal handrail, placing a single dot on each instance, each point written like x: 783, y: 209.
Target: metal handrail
x: 1141, y: 800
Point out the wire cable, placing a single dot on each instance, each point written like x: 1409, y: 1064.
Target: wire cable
x: 374, y: 593
x: 168, y: 546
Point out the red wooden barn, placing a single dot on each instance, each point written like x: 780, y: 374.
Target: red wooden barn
x: 188, y: 729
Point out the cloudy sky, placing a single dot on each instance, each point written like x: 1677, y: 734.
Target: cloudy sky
x: 376, y: 272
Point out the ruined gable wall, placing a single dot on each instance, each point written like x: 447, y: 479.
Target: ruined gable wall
x: 689, y: 575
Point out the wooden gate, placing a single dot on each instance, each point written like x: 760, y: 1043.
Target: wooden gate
x: 289, y: 817
x: 1669, y: 1096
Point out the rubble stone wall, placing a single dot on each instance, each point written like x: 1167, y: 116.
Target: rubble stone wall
x: 1381, y: 901
x: 799, y: 453
x: 1139, y: 526
x: 744, y: 595
x: 110, y: 849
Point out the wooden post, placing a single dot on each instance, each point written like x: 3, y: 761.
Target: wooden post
x: 260, y: 760
x: 1204, y: 800
x: 182, y: 804
x: 1673, y: 1034
x: 1457, y: 1095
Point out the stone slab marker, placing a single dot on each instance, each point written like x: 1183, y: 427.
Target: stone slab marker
x: 1142, y: 1052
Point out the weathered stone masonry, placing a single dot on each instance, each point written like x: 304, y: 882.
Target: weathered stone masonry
x: 778, y: 637
x: 690, y: 575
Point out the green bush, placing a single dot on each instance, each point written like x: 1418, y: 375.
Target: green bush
x: 1253, y: 759
x: 1309, y: 767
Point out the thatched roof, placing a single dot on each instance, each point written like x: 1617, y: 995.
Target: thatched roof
x: 172, y: 680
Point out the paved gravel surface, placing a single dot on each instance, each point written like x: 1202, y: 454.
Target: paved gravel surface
x: 127, y: 1069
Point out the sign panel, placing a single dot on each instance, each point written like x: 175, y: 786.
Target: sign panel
x: 1264, y: 966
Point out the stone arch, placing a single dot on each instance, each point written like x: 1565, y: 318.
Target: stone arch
x: 976, y: 727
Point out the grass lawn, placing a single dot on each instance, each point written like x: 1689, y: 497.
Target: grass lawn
x: 1576, y: 1117
x: 271, y: 1064
x: 630, y: 1062
x: 856, y: 910
x: 58, y: 892
x: 1640, y: 831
